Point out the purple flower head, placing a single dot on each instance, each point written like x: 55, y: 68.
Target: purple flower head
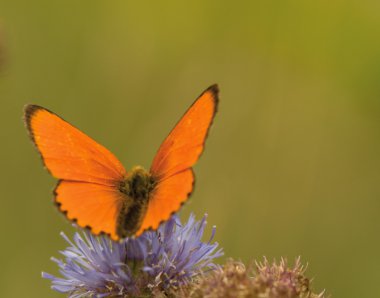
x: 157, y: 260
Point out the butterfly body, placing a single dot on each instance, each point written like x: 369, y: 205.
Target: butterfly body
x: 94, y: 189
x: 137, y: 188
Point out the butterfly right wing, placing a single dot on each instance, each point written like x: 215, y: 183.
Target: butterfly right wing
x: 167, y: 198
x: 185, y: 143
x: 172, y: 165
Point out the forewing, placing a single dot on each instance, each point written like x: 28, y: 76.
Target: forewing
x: 183, y: 146
x: 90, y: 205
x: 67, y: 152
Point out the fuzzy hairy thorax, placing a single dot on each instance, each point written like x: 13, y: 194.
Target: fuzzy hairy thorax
x: 138, y: 184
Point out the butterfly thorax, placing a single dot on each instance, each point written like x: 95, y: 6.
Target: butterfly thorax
x: 137, y: 188
x: 138, y: 184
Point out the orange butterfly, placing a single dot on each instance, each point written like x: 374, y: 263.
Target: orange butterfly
x: 94, y: 189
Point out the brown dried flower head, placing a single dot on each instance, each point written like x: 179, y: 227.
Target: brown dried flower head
x: 259, y: 280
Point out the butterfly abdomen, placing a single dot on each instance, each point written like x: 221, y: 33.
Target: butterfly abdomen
x: 137, y: 188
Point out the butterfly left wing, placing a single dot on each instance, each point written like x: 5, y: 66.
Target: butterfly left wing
x: 67, y: 152
x: 172, y: 165
x: 87, y: 192
x: 91, y: 205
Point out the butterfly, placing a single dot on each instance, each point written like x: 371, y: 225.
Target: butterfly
x: 95, y: 191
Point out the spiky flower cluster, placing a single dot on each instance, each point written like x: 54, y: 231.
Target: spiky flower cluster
x: 149, y: 265
x: 170, y: 262
x: 264, y: 280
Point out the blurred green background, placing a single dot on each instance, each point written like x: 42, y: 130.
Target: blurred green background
x: 292, y: 164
